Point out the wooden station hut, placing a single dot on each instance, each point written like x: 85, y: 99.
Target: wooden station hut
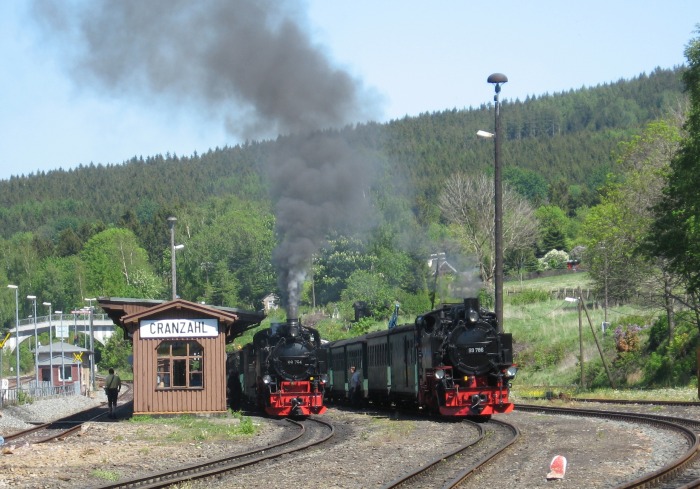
x: 179, y: 352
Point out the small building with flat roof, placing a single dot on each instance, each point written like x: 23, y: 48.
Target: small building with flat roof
x: 70, y: 363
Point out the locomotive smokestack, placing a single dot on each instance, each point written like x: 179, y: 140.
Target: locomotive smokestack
x: 294, y: 327
x: 292, y: 311
x: 471, y: 303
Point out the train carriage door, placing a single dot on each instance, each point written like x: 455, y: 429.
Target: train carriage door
x: 406, y: 361
x: 414, y: 363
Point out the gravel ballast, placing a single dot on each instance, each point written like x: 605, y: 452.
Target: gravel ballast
x: 369, y: 450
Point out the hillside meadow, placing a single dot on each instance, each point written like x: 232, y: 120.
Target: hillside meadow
x: 548, y: 342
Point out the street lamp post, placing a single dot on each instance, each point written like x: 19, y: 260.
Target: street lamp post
x: 62, y: 377
x: 16, y: 331
x: 49, y: 305
x: 498, y: 79
x: 36, y: 343
x: 171, y: 222
x: 92, y: 348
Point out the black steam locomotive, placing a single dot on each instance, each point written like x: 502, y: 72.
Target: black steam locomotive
x: 283, y: 371
x: 452, y: 361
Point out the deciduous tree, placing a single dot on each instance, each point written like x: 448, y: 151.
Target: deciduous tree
x: 466, y: 203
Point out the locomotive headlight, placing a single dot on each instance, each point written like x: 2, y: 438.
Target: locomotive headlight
x: 267, y: 379
x: 473, y: 316
x: 511, y: 371
x: 439, y: 374
x: 324, y: 378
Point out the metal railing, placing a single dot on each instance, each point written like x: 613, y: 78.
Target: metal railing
x: 66, y: 318
x: 31, y: 390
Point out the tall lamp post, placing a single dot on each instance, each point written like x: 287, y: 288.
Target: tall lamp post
x: 16, y: 329
x: 92, y: 348
x: 36, y: 343
x: 49, y: 305
x: 498, y: 79
x: 171, y: 222
x: 62, y: 377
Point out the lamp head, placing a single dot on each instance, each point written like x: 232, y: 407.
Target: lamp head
x: 497, y: 79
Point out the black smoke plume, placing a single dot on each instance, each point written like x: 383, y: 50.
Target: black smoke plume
x: 249, y: 63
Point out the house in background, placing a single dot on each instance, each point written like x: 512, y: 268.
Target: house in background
x: 270, y: 302
x: 70, y: 364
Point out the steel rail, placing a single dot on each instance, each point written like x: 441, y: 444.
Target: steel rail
x: 488, y: 458
x: 650, y: 479
x: 464, y: 473
x: 222, y: 465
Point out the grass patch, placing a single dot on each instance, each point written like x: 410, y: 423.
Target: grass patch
x: 668, y: 394
x: 548, y: 340
x: 188, y: 427
x: 386, y: 429
x: 578, y: 279
x: 108, y: 475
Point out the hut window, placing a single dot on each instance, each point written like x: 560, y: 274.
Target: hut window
x: 180, y: 365
x: 67, y: 373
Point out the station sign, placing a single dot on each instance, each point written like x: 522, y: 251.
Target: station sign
x: 63, y: 331
x: 178, y: 328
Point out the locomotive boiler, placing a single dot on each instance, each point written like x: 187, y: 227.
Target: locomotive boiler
x: 283, y: 371
x: 451, y: 361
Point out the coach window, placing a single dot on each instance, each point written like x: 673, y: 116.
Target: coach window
x: 180, y: 365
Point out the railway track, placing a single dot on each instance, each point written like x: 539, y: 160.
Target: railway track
x: 683, y: 472
x: 65, y: 427
x: 360, y: 458
x: 308, y: 433
x: 491, y: 441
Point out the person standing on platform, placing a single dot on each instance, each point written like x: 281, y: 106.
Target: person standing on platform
x: 113, y: 385
x: 355, y: 386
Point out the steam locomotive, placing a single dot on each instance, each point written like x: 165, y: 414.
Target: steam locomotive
x: 283, y: 371
x: 452, y: 362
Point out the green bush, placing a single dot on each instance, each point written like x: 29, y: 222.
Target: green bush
x: 537, y: 360
x: 362, y: 326
x: 23, y: 397
x: 658, y: 333
x: 657, y: 371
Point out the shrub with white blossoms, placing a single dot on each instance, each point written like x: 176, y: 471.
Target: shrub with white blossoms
x: 554, y: 259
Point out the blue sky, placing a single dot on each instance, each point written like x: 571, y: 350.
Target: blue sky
x: 416, y: 57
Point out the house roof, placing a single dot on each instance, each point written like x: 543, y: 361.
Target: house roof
x: 445, y: 266
x: 61, y: 348
x: 57, y: 346
x: 127, y: 313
